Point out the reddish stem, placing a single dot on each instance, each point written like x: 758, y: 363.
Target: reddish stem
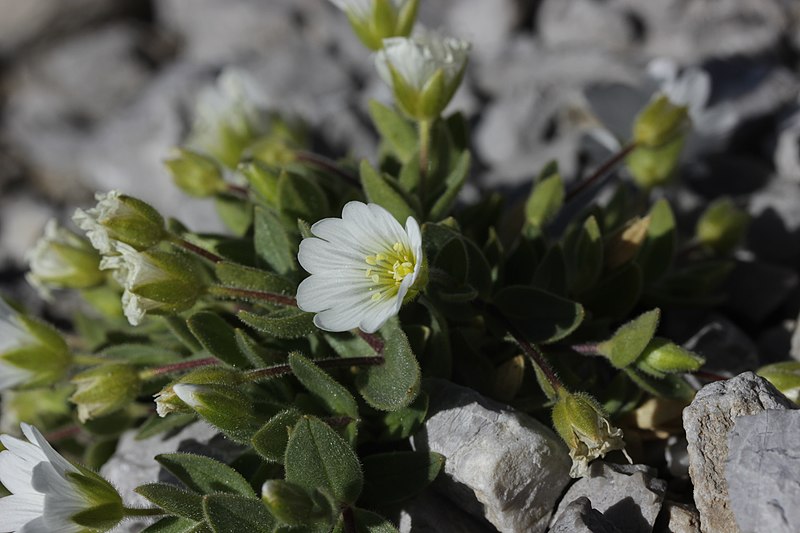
x: 601, y: 171
x: 178, y: 367
x: 284, y: 369
x: 374, y: 341
x: 271, y: 297
x: 63, y: 433
x: 202, y: 252
x: 708, y: 376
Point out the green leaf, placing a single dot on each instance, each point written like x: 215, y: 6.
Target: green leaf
x: 273, y: 243
x: 141, y: 354
x: 395, y: 130
x: 333, y: 395
x: 296, y: 505
x: 270, y: 441
x: 395, y: 383
x: 232, y: 513
x: 253, y: 279
x: 396, y: 476
x: 367, y: 522
x: 236, y: 214
x: 454, y: 182
x: 546, y: 197
x: 586, y: 258
x: 616, y: 295
x: 173, y: 524
x: 218, y: 337
x: 175, y: 500
x: 403, y: 423
x: 317, y: 457
x: 348, y: 345
x: 540, y: 316
x: 204, y: 475
x: 668, y: 387
x: 300, y: 197
x: 631, y: 339
x: 177, y: 326
x: 382, y: 191
x: 551, y: 274
x: 289, y: 323
x: 657, y: 251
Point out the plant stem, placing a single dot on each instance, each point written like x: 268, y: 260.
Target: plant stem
x: 374, y: 341
x: 202, y: 252
x: 237, y: 190
x: 246, y: 294
x: 424, y: 158
x: 178, y: 367
x: 585, y: 349
x: 601, y: 171
x: 328, y: 165
x: 339, y: 362
x: 63, y: 433
x: 151, y: 511
x: 349, y: 520
x: 708, y: 376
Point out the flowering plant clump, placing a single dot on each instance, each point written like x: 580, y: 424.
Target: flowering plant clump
x: 304, y: 333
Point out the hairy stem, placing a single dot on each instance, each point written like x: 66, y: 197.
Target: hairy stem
x: 601, y: 171
x: 247, y: 294
x: 197, y: 250
x: 424, y: 158
x: 178, y: 367
x: 339, y: 362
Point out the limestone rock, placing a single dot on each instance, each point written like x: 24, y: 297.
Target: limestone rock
x: 580, y: 517
x: 500, y: 464
x: 628, y: 496
x: 763, y: 471
x: 708, y: 420
x: 677, y: 518
x: 427, y: 512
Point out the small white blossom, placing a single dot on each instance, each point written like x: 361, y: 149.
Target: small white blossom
x: 91, y: 220
x: 363, y: 266
x: 47, y: 491
x: 132, y: 269
x: 362, y: 9
x: 416, y: 59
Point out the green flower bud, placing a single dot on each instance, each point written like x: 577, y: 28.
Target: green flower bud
x: 122, y: 218
x: 662, y: 357
x: 653, y: 167
x: 105, y: 389
x: 583, y: 425
x: 295, y: 505
x: 660, y: 122
x: 168, y: 402
x: 423, y: 71
x: 195, y: 174
x: 722, y: 226
x: 376, y: 20
x: 224, y: 406
x: 32, y: 353
x: 155, y: 281
x: 623, y: 245
x: 785, y: 376
x: 63, y: 260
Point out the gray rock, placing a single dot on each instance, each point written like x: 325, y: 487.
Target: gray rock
x: 22, y: 221
x: 133, y: 464
x: 787, y: 150
x: 708, y: 420
x: 677, y: 518
x: 677, y: 457
x: 585, y: 24
x: 628, y: 496
x: 726, y: 348
x: 763, y: 472
x: 580, y: 517
x: 427, y: 512
x: 501, y: 464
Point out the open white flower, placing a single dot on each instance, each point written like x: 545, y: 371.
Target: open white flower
x: 31, y: 353
x: 424, y: 71
x: 48, y: 492
x: 363, y: 266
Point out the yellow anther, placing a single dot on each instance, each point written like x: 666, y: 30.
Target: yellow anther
x: 370, y: 259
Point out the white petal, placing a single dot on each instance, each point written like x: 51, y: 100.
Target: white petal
x: 338, y: 288
x: 188, y: 393
x: 35, y: 526
x: 12, y: 376
x: 25, y: 451
x: 375, y: 319
x: 18, y: 510
x: 35, y: 436
x: 317, y: 256
x: 16, y: 473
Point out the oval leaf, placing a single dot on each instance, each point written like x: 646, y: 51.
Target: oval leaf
x: 541, y: 317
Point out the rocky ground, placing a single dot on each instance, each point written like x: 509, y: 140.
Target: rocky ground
x: 95, y: 92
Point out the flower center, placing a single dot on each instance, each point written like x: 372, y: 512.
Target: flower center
x: 388, y: 268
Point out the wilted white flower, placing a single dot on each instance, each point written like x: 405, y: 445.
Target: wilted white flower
x: 363, y: 266
x: 48, y: 492
x: 31, y: 353
x: 153, y: 281
x: 62, y: 259
x: 118, y: 217
x: 424, y: 71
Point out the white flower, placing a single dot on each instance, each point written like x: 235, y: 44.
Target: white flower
x: 91, y: 220
x: 363, y: 266
x: 132, y: 269
x: 416, y: 59
x: 31, y: 353
x: 118, y: 217
x: 362, y: 9
x: 47, y: 491
x: 61, y: 259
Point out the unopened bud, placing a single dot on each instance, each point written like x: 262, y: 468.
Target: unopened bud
x: 63, y: 260
x: 295, y: 505
x: 32, y: 353
x: 785, y: 376
x: 168, y: 402
x: 105, y: 389
x: 663, y: 357
x: 118, y: 217
x: 722, y: 226
x: 583, y: 425
x: 624, y: 245
x: 155, y: 281
x: 376, y: 20
x: 195, y: 174
x: 224, y: 406
x: 660, y: 122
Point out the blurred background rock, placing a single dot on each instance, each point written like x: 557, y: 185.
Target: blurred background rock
x: 94, y: 93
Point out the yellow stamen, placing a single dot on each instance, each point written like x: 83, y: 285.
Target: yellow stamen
x: 392, y: 266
